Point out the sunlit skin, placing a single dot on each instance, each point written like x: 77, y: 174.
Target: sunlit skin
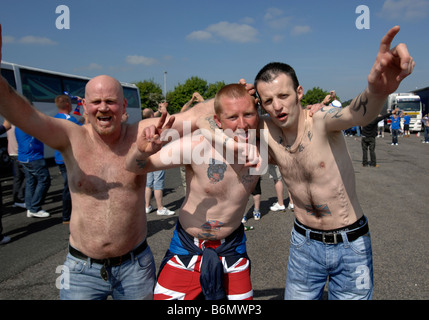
x: 105, y: 105
x: 219, y: 190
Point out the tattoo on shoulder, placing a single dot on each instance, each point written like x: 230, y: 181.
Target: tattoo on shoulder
x: 141, y: 163
x: 212, y: 123
x: 216, y: 171
x: 360, y: 103
x: 333, y: 112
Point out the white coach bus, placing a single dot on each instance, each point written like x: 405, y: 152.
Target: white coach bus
x: 42, y: 86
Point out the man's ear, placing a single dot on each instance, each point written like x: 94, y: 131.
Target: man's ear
x: 300, y: 93
x: 217, y: 120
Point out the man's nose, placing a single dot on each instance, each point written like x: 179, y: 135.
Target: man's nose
x: 241, y: 123
x: 104, y: 106
x: 277, y: 105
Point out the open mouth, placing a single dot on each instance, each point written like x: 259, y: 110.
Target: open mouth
x: 104, y: 119
x: 282, y: 116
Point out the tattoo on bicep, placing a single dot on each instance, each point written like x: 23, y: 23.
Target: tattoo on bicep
x: 216, y: 171
x: 359, y: 103
x: 141, y: 163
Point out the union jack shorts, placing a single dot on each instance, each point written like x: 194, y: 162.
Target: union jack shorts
x: 180, y: 277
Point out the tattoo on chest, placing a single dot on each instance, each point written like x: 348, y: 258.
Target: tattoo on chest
x: 300, y: 147
x: 216, y: 171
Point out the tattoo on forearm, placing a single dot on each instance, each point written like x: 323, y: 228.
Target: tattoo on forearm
x: 359, y: 103
x: 141, y: 163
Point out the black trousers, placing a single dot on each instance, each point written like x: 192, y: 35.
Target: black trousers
x: 368, y: 143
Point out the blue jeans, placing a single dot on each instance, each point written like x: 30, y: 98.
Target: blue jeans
x: 426, y: 134
x: 38, y: 181
x: 347, y: 265
x: 155, y: 180
x: 132, y: 280
x: 67, y: 204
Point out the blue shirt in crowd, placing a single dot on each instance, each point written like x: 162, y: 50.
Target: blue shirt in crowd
x: 396, y: 123
x: 29, y: 148
x: 58, y: 155
x: 407, y: 119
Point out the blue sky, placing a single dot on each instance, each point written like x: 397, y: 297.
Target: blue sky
x: 215, y: 40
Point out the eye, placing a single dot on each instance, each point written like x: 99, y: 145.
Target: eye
x: 267, y: 102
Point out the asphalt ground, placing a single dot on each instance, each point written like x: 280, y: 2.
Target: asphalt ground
x: 394, y: 197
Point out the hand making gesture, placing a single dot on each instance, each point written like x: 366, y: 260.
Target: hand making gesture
x: 391, y: 65
x: 151, y: 141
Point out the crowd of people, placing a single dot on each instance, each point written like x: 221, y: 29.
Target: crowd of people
x: 108, y: 160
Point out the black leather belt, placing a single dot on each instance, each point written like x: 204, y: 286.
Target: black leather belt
x: 115, y: 261
x: 333, y: 237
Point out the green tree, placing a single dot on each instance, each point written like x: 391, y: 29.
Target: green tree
x: 315, y: 95
x: 150, y: 94
x: 183, y: 92
x: 213, y: 88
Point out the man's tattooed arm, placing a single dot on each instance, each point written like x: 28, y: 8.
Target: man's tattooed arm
x: 141, y: 163
x: 360, y: 102
x: 332, y: 112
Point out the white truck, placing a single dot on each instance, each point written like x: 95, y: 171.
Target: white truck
x: 410, y: 104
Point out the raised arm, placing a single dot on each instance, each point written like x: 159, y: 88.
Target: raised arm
x: 390, y: 68
x: 18, y: 111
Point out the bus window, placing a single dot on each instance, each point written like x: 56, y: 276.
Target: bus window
x: 132, y: 97
x: 75, y: 87
x: 9, y: 76
x: 39, y: 87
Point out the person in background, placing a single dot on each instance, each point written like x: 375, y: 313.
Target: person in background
x: 396, y: 126
x: 407, y: 120
x: 425, y: 122
x: 380, y: 129
x: 3, y: 239
x: 18, y: 190
x: 37, y: 176
x: 64, y: 105
x: 156, y: 180
x: 369, y: 133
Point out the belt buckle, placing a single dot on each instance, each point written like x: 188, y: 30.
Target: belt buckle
x: 331, y: 234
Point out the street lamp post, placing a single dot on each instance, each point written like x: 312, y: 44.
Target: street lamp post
x: 165, y: 84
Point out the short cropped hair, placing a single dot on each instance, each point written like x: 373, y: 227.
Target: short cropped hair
x: 61, y: 101
x: 233, y: 91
